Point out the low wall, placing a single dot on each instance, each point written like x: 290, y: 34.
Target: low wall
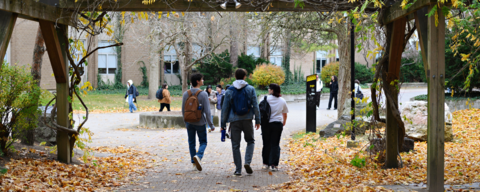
x: 410, y: 85
x: 459, y: 104
x: 456, y: 105
x: 166, y: 120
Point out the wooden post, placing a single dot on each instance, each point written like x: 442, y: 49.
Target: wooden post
x: 436, y: 100
x: 421, y: 21
x: 56, y: 47
x: 7, y: 22
x: 394, y: 63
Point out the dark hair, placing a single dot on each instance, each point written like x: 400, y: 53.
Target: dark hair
x: 276, y: 90
x: 335, y: 78
x: 357, y: 81
x: 227, y: 86
x: 164, y: 86
x: 194, y: 78
x: 209, y: 87
x: 240, y: 73
x: 219, y: 86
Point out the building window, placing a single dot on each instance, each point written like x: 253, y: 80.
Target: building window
x: 7, y: 54
x: 276, y: 56
x: 321, y: 60
x: 253, y: 50
x: 337, y: 58
x: 107, y: 59
x: 170, y: 60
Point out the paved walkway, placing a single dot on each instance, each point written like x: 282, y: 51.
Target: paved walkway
x: 174, y: 172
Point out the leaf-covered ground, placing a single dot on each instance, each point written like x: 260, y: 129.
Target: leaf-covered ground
x: 319, y: 164
x: 101, y: 174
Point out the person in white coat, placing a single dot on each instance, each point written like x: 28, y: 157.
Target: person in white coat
x: 318, y: 92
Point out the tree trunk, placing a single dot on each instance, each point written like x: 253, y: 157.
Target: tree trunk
x: 245, y: 33
x: 38, y: 52
x: 186, y: 61
x: 233, y: 41
x: 343, y: 73
x: 28, y: 136
x: 286, y: 55
x: 154, y: 71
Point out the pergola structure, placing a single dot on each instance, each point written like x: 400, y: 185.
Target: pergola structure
x: 55, y: 15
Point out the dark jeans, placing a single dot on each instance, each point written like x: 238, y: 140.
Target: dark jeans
x: 332, y: 96
x: 201, y: 131
x: 271, y: 135
x: 237, y: 127
x: 163, y: 105
x: 317, y: 94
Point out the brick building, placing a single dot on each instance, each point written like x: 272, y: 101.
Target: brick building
x: 135, y: 54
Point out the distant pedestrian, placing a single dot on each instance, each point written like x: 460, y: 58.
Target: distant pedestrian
x: 212, y: 98
x: 333, y: 92
x: 239, y: 107
x: 195, y: 107
x: 358, y: 91
x: 131, y: 96
x: 220, y: 93
x: 319, y: 91
x: 272, y: 133
x: 166, y: 99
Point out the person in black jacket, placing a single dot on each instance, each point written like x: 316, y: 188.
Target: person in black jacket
x: 131, y: 96
x: 333, y: 92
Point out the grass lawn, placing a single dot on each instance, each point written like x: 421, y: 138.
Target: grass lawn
x: 114, y: 103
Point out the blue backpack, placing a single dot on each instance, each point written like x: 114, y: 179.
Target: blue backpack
x: 242, y: 103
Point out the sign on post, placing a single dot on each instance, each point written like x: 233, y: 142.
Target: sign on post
x: 311, y: 103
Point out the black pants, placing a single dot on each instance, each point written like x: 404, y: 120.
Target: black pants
x: 163, y: 105
x: 332, y: 96
x: 271, y: 135
x: 317, y: 94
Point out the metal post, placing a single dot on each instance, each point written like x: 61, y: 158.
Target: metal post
x: 352, y: 78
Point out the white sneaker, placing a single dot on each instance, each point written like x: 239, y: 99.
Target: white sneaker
x: 265, y: 167
x: 194, y: 167
x: 273, y: 168
x: 197, y: 160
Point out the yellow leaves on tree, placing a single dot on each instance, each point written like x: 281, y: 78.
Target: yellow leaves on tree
x: 266, y: 74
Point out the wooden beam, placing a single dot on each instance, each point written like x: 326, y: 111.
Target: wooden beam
x: 395, y: 60
x: 54, y: 50
x: 7, y: 22
x: 63, y: 139
x: 395, y: 11
x: 35, y: 10
x: 421, y: 21
x: 436, y: 103
x: 214, y: 6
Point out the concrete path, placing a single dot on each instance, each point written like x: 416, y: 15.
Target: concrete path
x: 173, y: 170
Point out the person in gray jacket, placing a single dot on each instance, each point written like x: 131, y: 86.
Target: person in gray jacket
x: 198, y: 128
x: 241, y: 123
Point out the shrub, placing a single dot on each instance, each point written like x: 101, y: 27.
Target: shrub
x: 413, y: 71
x: 216, y: 68
x: 230, y: 80
x: 328, y: 71
x: 19, y: 97
x: 363, y: 73
x: 266, y: 74
x: 249, y: 62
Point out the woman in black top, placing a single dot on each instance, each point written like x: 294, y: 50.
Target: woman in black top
x: 333, y: 92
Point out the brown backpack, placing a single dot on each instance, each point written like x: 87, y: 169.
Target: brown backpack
x: 192, y: 112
